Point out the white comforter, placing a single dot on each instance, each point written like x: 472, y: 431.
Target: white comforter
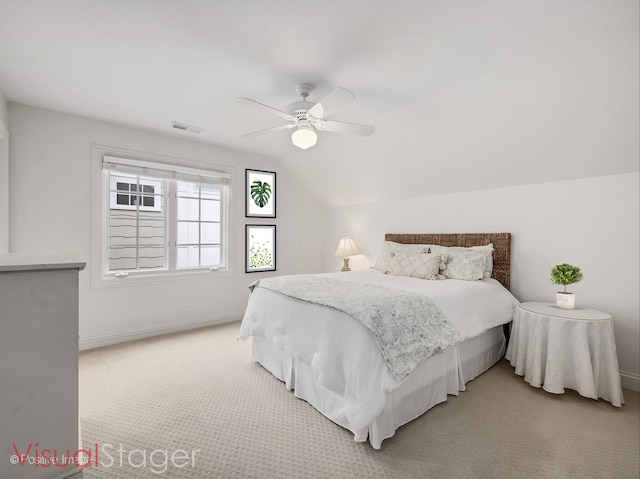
x: 342, y: 352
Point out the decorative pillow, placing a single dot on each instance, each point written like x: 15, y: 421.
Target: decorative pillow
x: 391, y: 247
x: 467, y: 265
x: 453, y: 251
x: 488, y: 249
x: 423, y: 266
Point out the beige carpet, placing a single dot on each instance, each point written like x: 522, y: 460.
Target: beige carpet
x: 199, y: 390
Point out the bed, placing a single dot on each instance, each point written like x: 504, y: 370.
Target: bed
x: 338, y: 364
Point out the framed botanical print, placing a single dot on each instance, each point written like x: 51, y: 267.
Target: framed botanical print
x: 260, y: 199
x: 260, y: 248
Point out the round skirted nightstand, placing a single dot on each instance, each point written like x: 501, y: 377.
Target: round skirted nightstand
x: 557, y: 348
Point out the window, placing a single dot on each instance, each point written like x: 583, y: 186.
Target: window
x: 124, y: 193
x: 160, y: 219
x: 199, y: 224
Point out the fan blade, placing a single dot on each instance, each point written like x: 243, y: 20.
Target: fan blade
x: 331, y: 103
x: 343, y: 127
x: 275, y: 111
x: 267, y: 130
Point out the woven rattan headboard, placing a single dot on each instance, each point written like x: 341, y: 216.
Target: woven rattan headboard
x: 501, y: 244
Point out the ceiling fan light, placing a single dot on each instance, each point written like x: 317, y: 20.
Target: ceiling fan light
x: 304, y: 137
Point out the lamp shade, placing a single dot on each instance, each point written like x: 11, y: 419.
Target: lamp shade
x: 304, y: 137
x: 347, y: 247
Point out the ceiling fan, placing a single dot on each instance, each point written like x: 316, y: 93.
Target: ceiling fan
x: 306, y: 117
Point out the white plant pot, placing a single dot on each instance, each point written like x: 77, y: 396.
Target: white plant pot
x: 565, y: 300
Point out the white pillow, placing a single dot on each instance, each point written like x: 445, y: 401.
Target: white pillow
x: 466, y: 265
x: 391, y: 247
x: 455, y: 250
x: 488, y: 269
x: 423, y: 266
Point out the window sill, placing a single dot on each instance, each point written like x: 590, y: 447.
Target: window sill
x: 132, y: 279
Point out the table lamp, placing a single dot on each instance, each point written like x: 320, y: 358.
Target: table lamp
x: 346, y: 247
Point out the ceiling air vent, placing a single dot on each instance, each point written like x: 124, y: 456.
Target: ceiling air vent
x: 184, y: 127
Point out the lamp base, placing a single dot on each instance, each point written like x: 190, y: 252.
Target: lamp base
x: 346, y: 265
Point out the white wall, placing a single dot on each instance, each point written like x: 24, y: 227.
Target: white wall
x: 51, y: 211
x: 592, y: 223
x: 4, y: 175
x: 4, y: 110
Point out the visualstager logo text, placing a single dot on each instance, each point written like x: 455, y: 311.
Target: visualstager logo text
x: 105, y: 455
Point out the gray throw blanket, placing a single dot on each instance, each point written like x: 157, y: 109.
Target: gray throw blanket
x: 408, y: 327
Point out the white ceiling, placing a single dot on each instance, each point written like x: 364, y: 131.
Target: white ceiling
x: 464, y: 95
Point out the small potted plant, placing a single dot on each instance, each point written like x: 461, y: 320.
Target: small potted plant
x: 565, y: 274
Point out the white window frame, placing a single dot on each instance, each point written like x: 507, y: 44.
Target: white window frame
x: 101, y: 202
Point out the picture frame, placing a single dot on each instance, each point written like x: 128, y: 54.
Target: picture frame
x: 260, y: 248
x: 260, y: 194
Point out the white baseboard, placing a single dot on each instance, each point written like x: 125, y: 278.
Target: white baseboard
x: 630, y: 381
x: 131, y: 335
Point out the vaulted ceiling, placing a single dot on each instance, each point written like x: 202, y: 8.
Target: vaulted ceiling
x: 464, y: 95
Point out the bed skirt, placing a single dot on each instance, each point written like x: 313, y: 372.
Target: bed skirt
x: 428, y: 385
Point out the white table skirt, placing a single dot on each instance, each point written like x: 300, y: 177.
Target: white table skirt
x: 556, y: 353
